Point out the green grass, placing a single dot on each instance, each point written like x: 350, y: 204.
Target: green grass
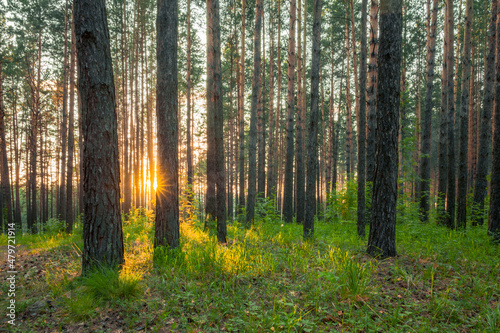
x: 266, y: 279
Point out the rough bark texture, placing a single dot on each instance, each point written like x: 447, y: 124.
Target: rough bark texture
x: 485, y: 124
x: 494, y: 216
x: 216, y: 181
x: 312, y: 145
x: 252, y: 135
x: 167, y: 198
x: 290, y: 106
x: 464, y: 120
x: 102, y: 227
x: 382, y: 238
x: 425, y: 167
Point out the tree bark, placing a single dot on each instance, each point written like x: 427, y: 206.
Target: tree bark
x: 71, y: 136
x: 361, y: 122
x: 241, y: 111
x: 371, y: 92
x: 312, y: 145
x: 6, y: 196
x: 382, y: 237
x: 252, y: 135
x: 464, y: 120
x: 102, y: 227
x: 288, y: 182
x: 480, y: 186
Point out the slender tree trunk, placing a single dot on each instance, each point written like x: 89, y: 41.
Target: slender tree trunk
x: 102, y: 227
x: 464, y: 120
x: 348, y: 101
x: 252, y: 135
x: 241, y: 110
x: 382, y: 238
x: 261, y: 129
x: 6, y: 196
x: 425, y: 167
x: 189, y: 153
x: 361, y: 121
x: 312, y: 146
x: 451, y: 190
x: 485, y: 125
x: 71, y: 136
x: 371, y: 92
x: 473, y: 120
x: 127, y: 189
x: 299, y: 153
x: 271, y: 183
x: 288, y: 182
x: 64, y: 127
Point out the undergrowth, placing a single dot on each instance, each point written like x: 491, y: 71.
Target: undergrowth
x: 267, y: 279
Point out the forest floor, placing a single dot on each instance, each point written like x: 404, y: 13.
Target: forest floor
x: 266, y: 279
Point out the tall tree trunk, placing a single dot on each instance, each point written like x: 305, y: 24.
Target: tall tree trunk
x: 371, y: 92
x: 299, y: 153
x: 252, y: 135
x: 271, y: 164
x: 494, y: 215
x: 348, y: 160
x: 451, y: 190
x: 189, y: 153
x: 102, y: 227
x: 6, y: 196
x: 71, y: 136
x: 485, y: 125
x: 288, y: 182
x: 64, y: 127
x: 382, y: 238
x: 361, y: 121
x: 261, y: 129
x: 425, y: 167
x: 312, y: 145
x: 127, y: 189
x: 216, y: 182
x: 473, y: 120
x: 167, y: 193
x: 241, y: 110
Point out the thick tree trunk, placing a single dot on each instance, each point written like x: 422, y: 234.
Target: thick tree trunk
x: 464, y: 120
x: 485, y: 125
x: 102, y: 227
x: 312, y: 145
x: 382, y: 238
x: 288, y: 182
x: 494, y: 216
x: 167, y: 193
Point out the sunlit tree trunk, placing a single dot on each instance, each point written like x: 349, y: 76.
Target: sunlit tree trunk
x: 71, y: 136
x: 241, y: 111
x: 102, y: 227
